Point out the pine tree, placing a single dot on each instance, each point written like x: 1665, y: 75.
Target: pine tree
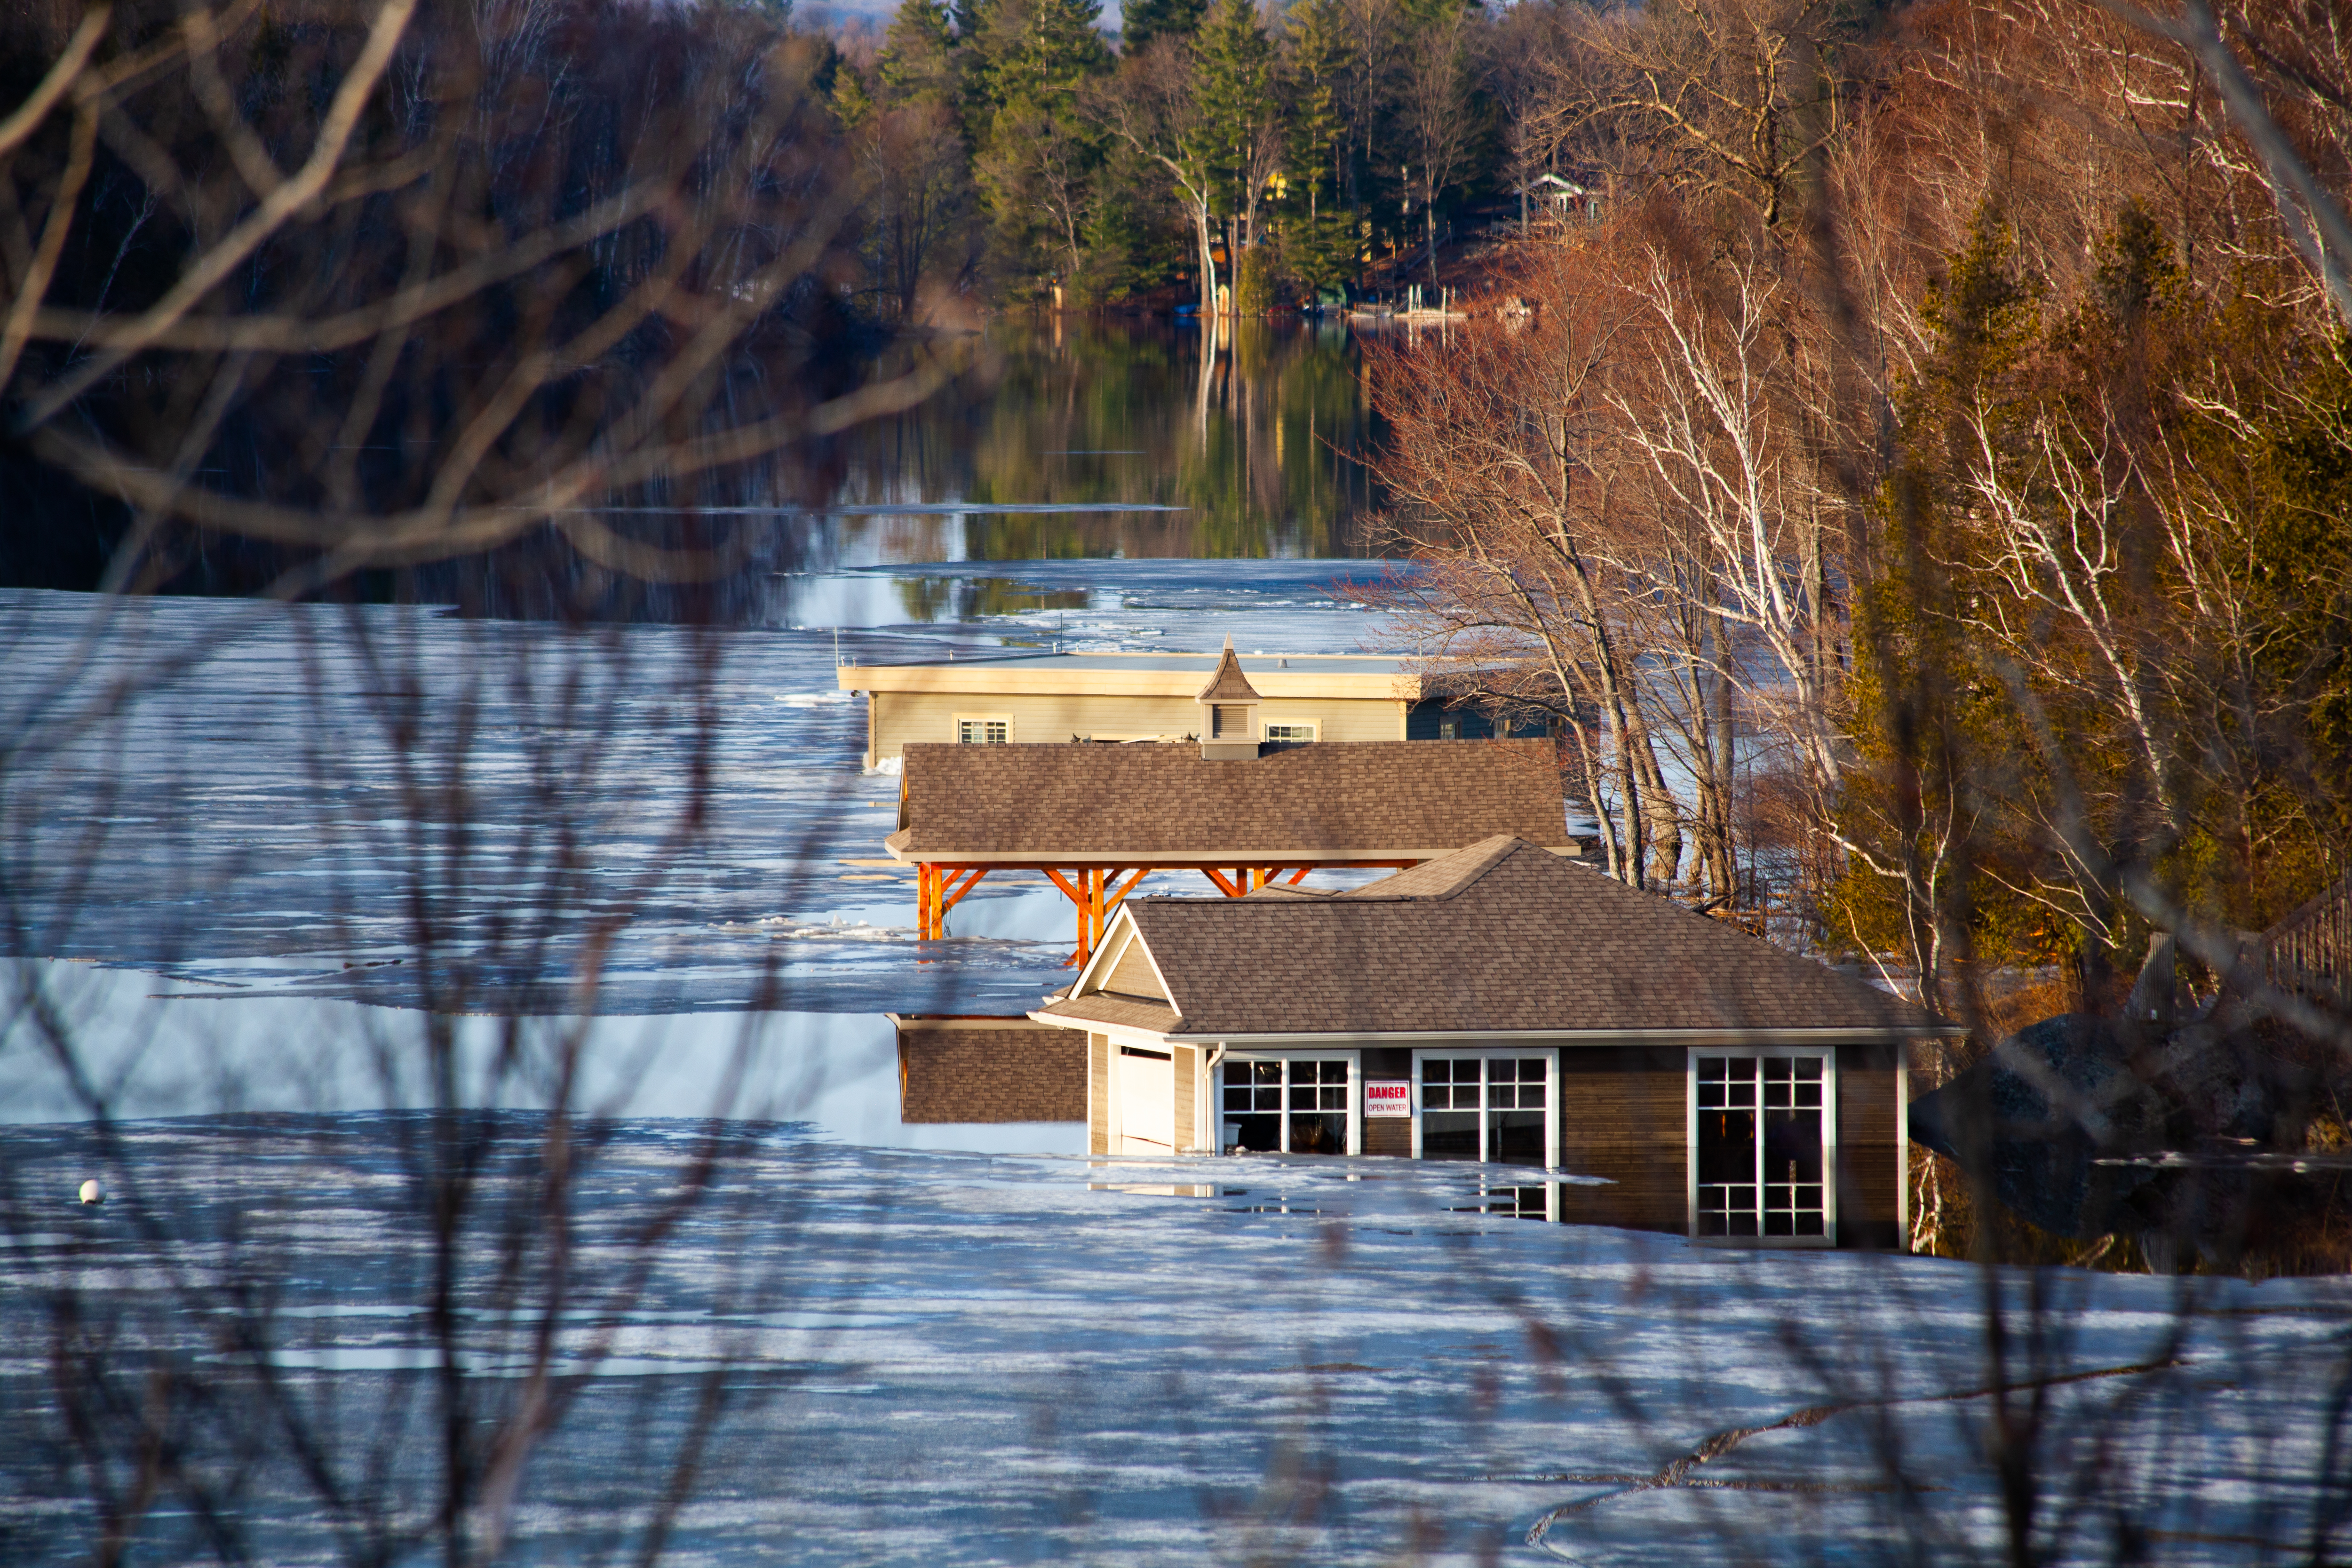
x: 1318, y: 234
x: 918, y: 62
x: 1236, y: 74
x: 1145, y: 20
x: 1036, y: 53
x: 1039, y: 155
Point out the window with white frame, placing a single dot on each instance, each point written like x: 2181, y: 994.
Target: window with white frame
x: 1288, y: 1105
x: 1497, y: 1106
x: 984, y: 731
x: 1516, y: 1200
x: 1291, y: 731
x: 1763, y: 1142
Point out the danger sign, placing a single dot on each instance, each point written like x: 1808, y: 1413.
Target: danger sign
x: 1390, y: 1099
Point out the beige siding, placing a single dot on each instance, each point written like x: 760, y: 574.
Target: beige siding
x: 1098, y: 1094
x: 899, y: 717
x: 1187, y: 1078
x: 1132, y: 975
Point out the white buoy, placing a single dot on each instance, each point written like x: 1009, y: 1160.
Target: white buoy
x: 92, y: 1193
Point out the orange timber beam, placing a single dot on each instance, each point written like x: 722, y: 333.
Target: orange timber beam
x: 1097, y: 891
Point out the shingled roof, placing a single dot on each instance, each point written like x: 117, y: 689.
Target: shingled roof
x: 1499, y: 937
x: 1368, y: 800
x: 1226, y: 682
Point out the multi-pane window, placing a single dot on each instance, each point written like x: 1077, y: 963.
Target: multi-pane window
x: 1290, y: 732
x: 1490, y: 1107
x: 1517, y: 1201
x: 1762, y: 1145
x: 984, y: 731
x: 1287, y: 1107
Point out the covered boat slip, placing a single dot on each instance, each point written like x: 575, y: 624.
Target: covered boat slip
x: 1096, y: 820
x: 1720, y: 1088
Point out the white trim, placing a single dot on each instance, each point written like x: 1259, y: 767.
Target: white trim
x: 1552, y: 1128
x: 1355, y: 1092
x: 1101, y: 958
x: 1830, y: 1166
x: 1901, y: 1150
x: 1120, y: 1033
x: 1314, y: 728
x: 961, y: 719
x: 1629, y: 1037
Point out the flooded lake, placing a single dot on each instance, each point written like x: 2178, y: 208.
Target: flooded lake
x: 335, y: 863
x: 245, y: 805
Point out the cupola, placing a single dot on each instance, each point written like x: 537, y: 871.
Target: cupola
x: 1228, y: 712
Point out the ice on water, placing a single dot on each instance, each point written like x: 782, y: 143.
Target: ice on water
x: 961, y: 1357
x: 242, y: 810
x: 993, y: 1348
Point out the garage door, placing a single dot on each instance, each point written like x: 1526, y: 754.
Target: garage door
x: 1146, y: 1085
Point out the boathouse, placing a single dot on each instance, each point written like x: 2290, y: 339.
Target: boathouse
x: 1096, y: 819
x: 1016, y: 696
x: 1504, y: 1005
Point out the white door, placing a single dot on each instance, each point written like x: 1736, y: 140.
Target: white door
x: 1145, y: 1083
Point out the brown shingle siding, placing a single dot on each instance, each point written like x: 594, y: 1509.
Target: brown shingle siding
x: 951, y: 1075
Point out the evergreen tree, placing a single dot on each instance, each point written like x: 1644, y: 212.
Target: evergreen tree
x: 1036, y: 164
x: 1236, y: 61
x: 1034, y: 54
x: 1144, y: 20
x: 852, y: 104
x: 1318, y: 233
x: 918, y: 62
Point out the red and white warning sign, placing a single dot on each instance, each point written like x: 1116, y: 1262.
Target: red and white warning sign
x: 1390, y: 1097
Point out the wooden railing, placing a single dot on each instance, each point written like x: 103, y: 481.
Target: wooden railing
x: 2310, y: 951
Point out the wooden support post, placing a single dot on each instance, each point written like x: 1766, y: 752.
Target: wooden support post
x: 1226, y: 885
x: 923, y: 877
x: 1077, y: 897
x: 949, y: 888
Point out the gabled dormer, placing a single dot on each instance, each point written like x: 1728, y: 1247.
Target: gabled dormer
x: 1228, y: 712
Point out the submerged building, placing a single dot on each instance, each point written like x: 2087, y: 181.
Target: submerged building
x: 1505, y: 1006
x: 1095, y: 820
x: 1015, y: 696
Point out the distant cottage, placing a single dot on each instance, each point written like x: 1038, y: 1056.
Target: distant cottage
x: 1504, y: 1005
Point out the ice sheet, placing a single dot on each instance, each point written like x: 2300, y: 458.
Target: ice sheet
x: 980, y: 1359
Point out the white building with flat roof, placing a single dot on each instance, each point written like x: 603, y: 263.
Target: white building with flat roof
x: 1022, y: 697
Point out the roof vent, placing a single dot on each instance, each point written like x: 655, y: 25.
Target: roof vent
x: 1229, y: 713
